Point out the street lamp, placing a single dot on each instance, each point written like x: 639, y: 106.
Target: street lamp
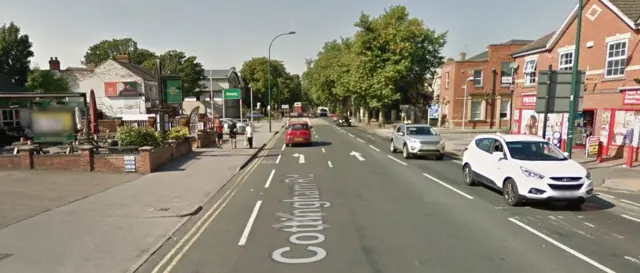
x: 269, y: 72
x: 464, y: 102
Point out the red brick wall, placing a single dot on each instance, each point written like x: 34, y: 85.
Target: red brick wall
x: 10, y: 162
x: 57, y: 162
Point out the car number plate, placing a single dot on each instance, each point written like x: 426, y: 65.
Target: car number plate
x: 565, y: 194
x: 298, y: 139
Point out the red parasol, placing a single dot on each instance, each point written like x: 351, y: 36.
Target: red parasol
x: 93, y: 113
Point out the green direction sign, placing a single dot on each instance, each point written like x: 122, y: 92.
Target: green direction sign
x: 173, y: 91
x: 231, y: 94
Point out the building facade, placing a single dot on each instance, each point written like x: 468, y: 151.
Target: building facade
x: 487, y: 78
x: 216, y: 80
x: 608, y: 47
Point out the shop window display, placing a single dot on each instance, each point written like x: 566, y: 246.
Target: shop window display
x: 623, y: 127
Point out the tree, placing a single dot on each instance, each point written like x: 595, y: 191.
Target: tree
x: 46, y: 81
x: 254, y: 73
x: 178, y: 63
x: 109, y: 49
x: 15, y: 54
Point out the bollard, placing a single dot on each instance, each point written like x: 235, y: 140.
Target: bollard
x: 629, y: 161
x: 563, y: 145
x: 600, y: 152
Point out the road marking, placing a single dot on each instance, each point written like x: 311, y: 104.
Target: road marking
x: 209, y: 216
x: 457, y: 161
x: 330, y: 165
x: 360, y: 140
x: 300, y: 157
x: 278, y: 159
x: 283, y: 146
x: 629, y: 202
x: 323, y: 150
x: 397, y: 160
x: 630, y: 218
x: 247, y: 229
x: 351, y: 135
x: 448, y: 186
x: 374, y: 148
x: 563, y: 247
x: 357, y: 155
x: 606, y: 195
x: 266, y: 185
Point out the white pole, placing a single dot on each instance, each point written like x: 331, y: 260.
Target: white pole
x: 251, y: 108
x: 211, y: 92
x: 464, y: 105
x: 240, y: 107
x: 223, y: 105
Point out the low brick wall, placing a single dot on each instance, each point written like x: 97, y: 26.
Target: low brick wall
x: 204, y: 138
x: 148, y: 159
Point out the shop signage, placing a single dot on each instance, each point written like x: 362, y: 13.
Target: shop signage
x: 631, y: 97
x: 529, y: 100
x: 172, y: 90
x: 506, y: 80
x: 231, y: 94
x: 120, y: 89
x: 592, y: 146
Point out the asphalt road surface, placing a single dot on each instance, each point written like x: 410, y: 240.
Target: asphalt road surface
x: 346, y: 204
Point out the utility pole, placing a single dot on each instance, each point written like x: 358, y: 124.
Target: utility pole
x: 161, y: 120
x: 269, y: 73
x: 574, y: 81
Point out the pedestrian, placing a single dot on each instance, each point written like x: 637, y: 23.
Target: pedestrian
x: 219, y: 133
x: 249, y: 136
x: 233, y: 132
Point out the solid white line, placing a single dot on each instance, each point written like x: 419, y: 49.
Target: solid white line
x: 351, y: 135
x: 323, y: 150
x: 630, y: 218
x: 247, y: 229
x: 457, y: 161
x: 606, y: 195
x: 330, y: 165
x: 397, y: 160
x: 374, y: 148
x: 360, y: 140
x: 448, y: 186
x: 629, y: 202
x: 278, y: 159
x: 563, y: 247
x: 266, y: 185
x: 283, y: 145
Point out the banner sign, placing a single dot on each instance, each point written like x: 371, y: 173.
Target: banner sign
x: 120, y: 89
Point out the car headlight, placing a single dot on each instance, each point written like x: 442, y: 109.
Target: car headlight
x: 531, y: 174
x: 442, y: 142
x: 414, y: 141
x: 588, y: 175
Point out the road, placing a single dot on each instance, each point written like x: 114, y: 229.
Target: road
x: 348, y: 205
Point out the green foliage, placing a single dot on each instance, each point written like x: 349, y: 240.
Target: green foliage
x: 109, y: 49
x: 15, y: 52
x: 177, y: 133
x: 138, y: 136
x: 254, y: 72
x: 46, y: 81
x: 178, y: 63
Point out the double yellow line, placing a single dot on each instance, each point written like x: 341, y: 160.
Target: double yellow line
x: 211, y: 214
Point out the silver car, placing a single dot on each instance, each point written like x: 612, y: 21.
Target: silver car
x: 417, y: 140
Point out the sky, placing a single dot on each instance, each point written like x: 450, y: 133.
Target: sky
x: 224, y: 34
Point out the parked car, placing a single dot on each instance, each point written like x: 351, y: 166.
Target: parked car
x: 526, y: 168
x: 417, y: 140
x: 298, y: 133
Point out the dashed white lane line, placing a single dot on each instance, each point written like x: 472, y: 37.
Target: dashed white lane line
x: 563, y: 247
x: 448, y: 186
x: 397, y: 160
x: 371, y: 146
x: 323, y: 150
x: 247, y: 229
x: 360, y: 140
x: 330, y: 165
x: 351, y: 135
x: 630, y: 203
x: 278, y: 159
x: 266, y: 185
x: 283, y: 146
x: 630, y: 218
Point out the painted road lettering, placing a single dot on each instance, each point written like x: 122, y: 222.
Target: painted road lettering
x: 305, y: 222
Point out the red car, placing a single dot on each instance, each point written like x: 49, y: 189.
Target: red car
x: 298, y: 133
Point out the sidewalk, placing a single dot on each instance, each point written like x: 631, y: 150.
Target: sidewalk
x: 116, y: 230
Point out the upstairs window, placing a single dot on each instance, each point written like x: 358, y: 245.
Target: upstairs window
x: 566, y: 61
x: 530, y: 75
x: 616, y: 59
x: 477, y: 77
x: 446, y: 80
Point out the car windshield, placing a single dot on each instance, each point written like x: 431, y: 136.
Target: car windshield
x: 323, y: 110
x: 420, y: 131
x: 535, y: 151
x: 298, y: 126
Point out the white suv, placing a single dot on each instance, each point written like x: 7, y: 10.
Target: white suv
x: 526, y: 168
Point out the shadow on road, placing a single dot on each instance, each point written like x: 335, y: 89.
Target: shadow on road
x: 594, y: 203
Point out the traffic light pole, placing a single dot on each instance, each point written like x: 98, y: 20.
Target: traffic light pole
x: 575, y: 95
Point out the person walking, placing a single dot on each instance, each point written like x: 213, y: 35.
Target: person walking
x: 233, y: 132
x: 249, y: 136
x: 219, y: 133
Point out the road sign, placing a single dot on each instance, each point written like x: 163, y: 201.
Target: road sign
x: 555, y: 87
x: 231, y: 94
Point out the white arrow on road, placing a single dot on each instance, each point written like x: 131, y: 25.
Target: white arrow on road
x: 300, y: 157
x: 357, y: 155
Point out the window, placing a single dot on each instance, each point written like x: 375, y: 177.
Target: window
x: 446, y: 80
x: 399, y: 129
x: 566, y: 61
x: 420, y: 130
x: 530, y: 72
x: 506, y: 74
x: 616, y: 59
x: 477, y: 77
x: 484, y: 144
x: 476, y: 112
x: 10, y: 118
x: 535, y: 151
x: 504, y: 109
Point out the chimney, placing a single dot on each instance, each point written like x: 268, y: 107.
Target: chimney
x: 122, y: 58
x: 54, y: 64
x: 463, y: 56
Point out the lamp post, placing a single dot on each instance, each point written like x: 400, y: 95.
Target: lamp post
x: 251, y: 101
x: 269, y: 72
x: 464, y: 102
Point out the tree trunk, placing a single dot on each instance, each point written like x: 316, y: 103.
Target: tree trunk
x: 381, y: 117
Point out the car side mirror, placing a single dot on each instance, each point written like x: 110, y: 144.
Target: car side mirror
x: 400, y: 133
x: 499, y: 155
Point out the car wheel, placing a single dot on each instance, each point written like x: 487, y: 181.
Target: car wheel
x: 439, y: 157
x: 392, y: 148
x: 467, y: 174
x: 405, y: 152
x: 575, y: 204
x: 511, y: 194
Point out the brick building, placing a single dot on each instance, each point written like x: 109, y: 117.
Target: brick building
x: 487, y: 77
x: 609, y: 43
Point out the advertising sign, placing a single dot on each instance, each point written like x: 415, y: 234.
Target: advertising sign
x: 529, y: 100
x: 53, y: 122
x: 631, y: 97
x: 434, y: 111
x: 592, y: 146
x: 173, y: 91
x: 120, y: 89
